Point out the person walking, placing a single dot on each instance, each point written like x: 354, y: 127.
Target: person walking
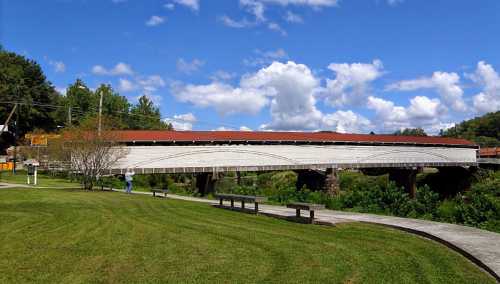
x: 128, y: 181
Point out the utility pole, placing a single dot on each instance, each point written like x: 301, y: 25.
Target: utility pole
x: 69, y: 116
x: 100, y: 114
x: 15, y: 140
x: 8, y: 118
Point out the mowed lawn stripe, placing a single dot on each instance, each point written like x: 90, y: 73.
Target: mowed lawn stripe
x: 72, y: 236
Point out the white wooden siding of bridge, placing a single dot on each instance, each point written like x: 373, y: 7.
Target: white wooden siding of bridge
x: 269, y: 157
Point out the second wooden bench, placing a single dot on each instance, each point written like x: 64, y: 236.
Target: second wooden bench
x: 311, y: 207
x: 241, y: 198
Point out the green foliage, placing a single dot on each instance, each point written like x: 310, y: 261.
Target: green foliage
x: 449, y: 211
x: 425, y: 203
x: 145, y: 115
x: 371, y: 194
x: 84, y: 104
x: 81, y: 100
x: 481, y: 206
x: 484, y: 130
x: 22, y: 80
x: 411, y: 132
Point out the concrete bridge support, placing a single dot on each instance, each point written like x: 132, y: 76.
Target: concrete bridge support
x: 406, y: 178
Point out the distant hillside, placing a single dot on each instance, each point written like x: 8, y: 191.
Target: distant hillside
x: 484, y: 130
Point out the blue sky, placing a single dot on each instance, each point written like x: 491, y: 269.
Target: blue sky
x: 342, y: 65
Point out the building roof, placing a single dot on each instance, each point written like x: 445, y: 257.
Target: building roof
x: 489, y: 152
x: 146, y: 136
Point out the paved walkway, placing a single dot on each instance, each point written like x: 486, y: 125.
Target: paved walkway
x: 12, y: 185
x: 480, y: 246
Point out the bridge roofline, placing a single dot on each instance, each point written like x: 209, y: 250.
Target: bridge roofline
x: 147, y: 137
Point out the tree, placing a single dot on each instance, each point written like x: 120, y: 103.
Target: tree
x: 411, y: 132
x: 91, y: 155
x: 22, y: 81
x: 484, y: 130
x: 114, y: 106
x: 81, y: 100
x: 145, y: 115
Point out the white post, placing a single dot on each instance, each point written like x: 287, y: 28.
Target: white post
x: 28, y: 182
x: 36, y: 172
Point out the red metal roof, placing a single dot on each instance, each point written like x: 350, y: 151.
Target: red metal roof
x: 254, y: 136
x: 489, y: 152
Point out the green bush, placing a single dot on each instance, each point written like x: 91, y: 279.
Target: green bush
x: 425, y: 203
x: 448, y: 210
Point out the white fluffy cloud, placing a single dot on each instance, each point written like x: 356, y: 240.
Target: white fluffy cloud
x: 189, y: 67
x: 155, y: 21
x: 446, y: 84
x: 224, y: 98
x: 422, y: 112
x: 182, y: 121
x: 288, y: 88
x: 147, y: 85
x: 291, y: 87
x: 150, y: 83
x: 291, y: 91
x: 346, y: 122
x: 352, y: 82
x: 488, y: 100
x: 192, y: 4
x: 119, y: 69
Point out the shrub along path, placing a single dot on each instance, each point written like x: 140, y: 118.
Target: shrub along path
x: 72, y: 236
x: 481, y: 246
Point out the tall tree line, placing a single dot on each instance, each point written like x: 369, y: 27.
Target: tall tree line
x: 484, y: 130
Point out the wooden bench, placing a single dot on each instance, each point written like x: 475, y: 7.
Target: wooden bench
x: 305, y: 206
x: 155, y: 191
x: 242, y: 198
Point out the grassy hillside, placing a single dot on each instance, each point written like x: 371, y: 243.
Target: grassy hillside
x: 63, y: 236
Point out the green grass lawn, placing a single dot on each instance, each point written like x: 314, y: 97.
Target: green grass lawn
x: 43, y: 180
x: 71, y: 236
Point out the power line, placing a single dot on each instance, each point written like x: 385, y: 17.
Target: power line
x: 94, y: 109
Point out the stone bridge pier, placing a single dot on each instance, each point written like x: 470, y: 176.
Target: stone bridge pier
x: 318, y: 180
